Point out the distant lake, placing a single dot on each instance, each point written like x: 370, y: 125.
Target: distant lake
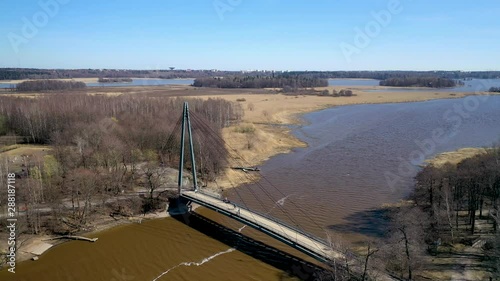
x: 135, y: 82
x: 469, y: 85
x: 144, y: 82
x: 7, y: 85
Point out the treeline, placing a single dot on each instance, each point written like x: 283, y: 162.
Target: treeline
x: 26, y: 73
x: 295, y: 82
x: 38, y: 119
x: 49, y: 85
x: 472, y: 186
x: 454, y: 204
x: 102, y: 147
x: 29, y: 73
x: 99, y: 125
x: 324, y: 93
x: 382, y: 75
x: 113, y: 80
x: 415, y: 81
x: 495, y: 90
x: 444, y: 209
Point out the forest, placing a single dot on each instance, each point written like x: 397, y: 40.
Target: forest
x: 415, y: 81
x: 292, y: 82
x: 32, y: 73
x: 494, y: 90
x: 451, y: 204
x: 49, y: 85
x: 99, y: 148
x: 385, y: 74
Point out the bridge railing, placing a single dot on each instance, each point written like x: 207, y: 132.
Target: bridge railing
x: 278, y: 221
x: 294, y: 228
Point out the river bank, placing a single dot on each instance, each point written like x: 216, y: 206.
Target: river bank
x: 466, y: 257
x: 32, y: 246
x: 265, y: 130
x: 455, y: 157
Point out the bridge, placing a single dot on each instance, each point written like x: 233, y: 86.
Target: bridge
x: 308, y: 244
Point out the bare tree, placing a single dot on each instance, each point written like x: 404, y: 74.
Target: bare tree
x: 154, y: 179
x: 405, y: 247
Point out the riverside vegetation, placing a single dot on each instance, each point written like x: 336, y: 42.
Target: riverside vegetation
x: 453, y: 207
x: 99, y: 148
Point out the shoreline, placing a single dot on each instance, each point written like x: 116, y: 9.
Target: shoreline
x: 266, y: 126
x: 454, y: 157
x: 273, y: 136
x: 36, y: 245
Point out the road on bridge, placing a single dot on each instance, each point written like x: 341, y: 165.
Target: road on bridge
x: 291, y: 236
x: 299, y: 240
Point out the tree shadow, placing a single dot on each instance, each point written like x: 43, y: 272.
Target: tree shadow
x: 373, y: 223
x: 267, y: 254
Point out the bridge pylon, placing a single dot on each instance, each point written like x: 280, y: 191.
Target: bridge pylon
x: 186, y: 122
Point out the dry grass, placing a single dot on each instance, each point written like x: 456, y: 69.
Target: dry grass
x: 23, y: 149
x: 455, y: 157
x: 15, y: 153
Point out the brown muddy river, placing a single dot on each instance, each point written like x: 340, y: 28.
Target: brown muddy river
x: 358, y: 158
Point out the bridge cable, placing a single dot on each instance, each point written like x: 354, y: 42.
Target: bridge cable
x: 221, y: 149
x: 213, y: 133
x: 210, y: 132
x: 168, y: 145
x: 252, y: 179
x: 213, y: 144
x: 222, y: 144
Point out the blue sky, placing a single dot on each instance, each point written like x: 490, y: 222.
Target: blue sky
x: 251, y: 34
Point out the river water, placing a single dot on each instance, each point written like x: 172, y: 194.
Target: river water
x: 362, y: 156
x: 358, y: 158
x: 469, y: 86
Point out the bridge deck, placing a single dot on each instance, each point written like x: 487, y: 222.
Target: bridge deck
x: 307, y: 244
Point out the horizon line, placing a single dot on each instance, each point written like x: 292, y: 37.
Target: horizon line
x: 253, y: 70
